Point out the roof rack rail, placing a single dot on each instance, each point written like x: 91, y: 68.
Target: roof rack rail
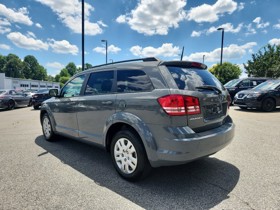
x: 132, y: 60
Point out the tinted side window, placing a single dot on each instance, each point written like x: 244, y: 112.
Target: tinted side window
x: 245, y: 83
x: 260, y: 81
x: 133, y: 81
x: 190, y: 78
x: 100, y: 83
x: 73, y: 88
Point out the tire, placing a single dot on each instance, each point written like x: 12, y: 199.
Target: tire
x: 268, y: 105
x: 243, y: 108
x: 129, y: 156
x: 11, y: 105
x: 30, y: 102
x: 47, y: 128
x: 36, y: 107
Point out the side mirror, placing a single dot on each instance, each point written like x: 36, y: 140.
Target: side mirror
x: 53, y: 92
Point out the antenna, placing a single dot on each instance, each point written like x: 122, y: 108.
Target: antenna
x: 182, y: 54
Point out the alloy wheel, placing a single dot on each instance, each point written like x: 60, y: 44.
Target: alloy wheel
x: 47, y: 127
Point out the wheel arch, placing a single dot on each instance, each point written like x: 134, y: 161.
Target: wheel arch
x: 135, y: 125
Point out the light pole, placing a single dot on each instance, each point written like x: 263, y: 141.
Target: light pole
x: 83, y: 35
x: 222, y: 45
x: 203, y: 59
x: 106, y: 45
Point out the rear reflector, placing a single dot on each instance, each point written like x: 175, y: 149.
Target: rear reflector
x: 179, y: 105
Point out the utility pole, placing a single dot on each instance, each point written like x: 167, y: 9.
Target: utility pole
x: 222, y: 45
x: 83, y: 35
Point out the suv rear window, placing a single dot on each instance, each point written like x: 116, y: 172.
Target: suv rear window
x: 190, y: 78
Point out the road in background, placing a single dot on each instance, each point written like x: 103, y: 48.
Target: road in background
x: 35, y: 174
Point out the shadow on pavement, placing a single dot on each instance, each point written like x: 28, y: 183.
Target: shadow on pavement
x: 202, y: 184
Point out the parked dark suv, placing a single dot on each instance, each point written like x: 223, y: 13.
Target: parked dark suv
x: 150, y: 113
x: 236, y: 85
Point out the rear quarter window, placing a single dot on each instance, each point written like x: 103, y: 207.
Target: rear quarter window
x: 129, y: 81
x: 190, y: 78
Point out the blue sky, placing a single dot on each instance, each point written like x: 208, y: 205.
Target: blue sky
x: 51, y: 30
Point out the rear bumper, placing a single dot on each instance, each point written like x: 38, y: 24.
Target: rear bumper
x: 180, y: 151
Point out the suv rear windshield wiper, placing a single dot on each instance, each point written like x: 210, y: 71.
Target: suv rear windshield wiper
x: 209, y: 87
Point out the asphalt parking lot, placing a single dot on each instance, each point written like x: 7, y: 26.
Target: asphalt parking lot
x: 67, y: 174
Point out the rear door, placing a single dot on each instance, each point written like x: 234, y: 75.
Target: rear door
x: 200, y: 84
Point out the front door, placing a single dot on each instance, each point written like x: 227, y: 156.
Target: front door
x: 64, y: 107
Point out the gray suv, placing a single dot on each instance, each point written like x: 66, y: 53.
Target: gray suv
x: 145, y: 112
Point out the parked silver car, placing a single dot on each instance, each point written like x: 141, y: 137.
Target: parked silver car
x: 9, y: 99
x: 146, y: 114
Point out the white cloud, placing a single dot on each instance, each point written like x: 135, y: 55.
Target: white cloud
x: 276, y: 26
x: 196, y: 33
x: 16, y: 16
x: 111, y: 49
x: 4, y: 26
x: 228, y: 27
x: 152, y: 17
x: 233, y: 51
x: 5, y: 47
x: 100, y: 50
x: 250, y: 30
x: 55, y: 65
x: 274, y: 41
x: 27, y: 42
x: 38, y: 25
x: 166, y: 50
x: 121, y: 19
x: 241, y: 6
x: 31, y: 34
x: 260, y: 23
x: 69, y: 13
x: 63, y: 47
x: 211, y: 13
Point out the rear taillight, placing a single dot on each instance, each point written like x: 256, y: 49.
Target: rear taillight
x: 179, y: 105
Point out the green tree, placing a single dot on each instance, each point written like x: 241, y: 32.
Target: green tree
x: 71, y: 68
x: 57, y: 77
x: 226, y: 72
x: 31, y: 67
x: 64, y: 73
x: 13, y: 67
x: 88, y: 66
x: 63, y: 80
x: 3, y: 62
x: 40, y: 74
x: 51, y: 78
x: 265, y: 63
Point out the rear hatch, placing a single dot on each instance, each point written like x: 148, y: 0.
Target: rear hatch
x: 205, y: 98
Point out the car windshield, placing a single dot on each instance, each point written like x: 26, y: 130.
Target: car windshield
x: 268, y: 85
x: 43, y: 91
x: 192, y: 78
x: 232, y: 83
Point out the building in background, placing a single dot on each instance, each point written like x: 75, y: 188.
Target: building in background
x: 25, y: 84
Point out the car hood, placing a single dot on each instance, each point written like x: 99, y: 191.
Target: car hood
x: 246, y: 92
